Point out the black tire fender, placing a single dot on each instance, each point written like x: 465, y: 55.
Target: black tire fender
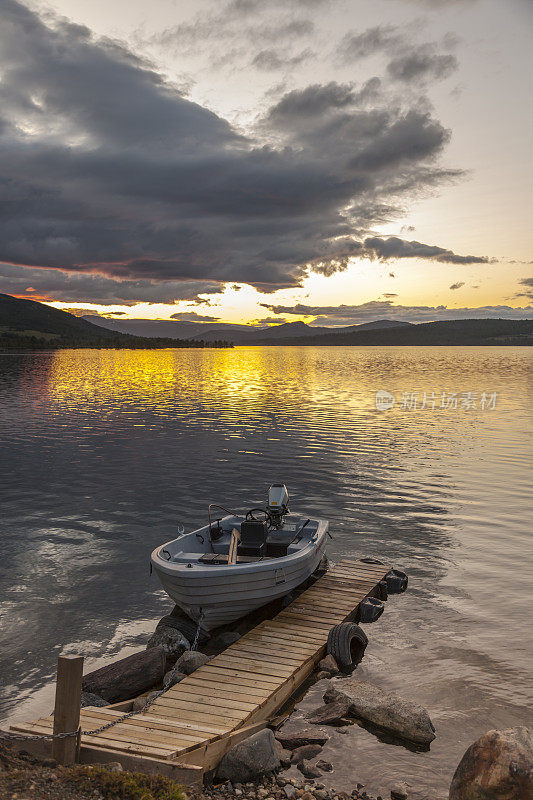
x: 382, y: 590
x: 370, y: 609
x: 396, y: 581
x: 347, y: 644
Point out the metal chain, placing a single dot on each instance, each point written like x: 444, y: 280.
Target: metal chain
x: 70, y: 734
x: 197, y: 636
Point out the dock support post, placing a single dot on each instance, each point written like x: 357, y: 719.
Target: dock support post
x: 67, y: 707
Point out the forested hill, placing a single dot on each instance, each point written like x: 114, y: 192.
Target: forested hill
x: 449, y: 333
x: 27, y: 324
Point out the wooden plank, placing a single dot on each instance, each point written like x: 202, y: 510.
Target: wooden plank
x: 111, y: 744
x: 165, y: 725
x: 212, y: 708
x: 305, y: 620
x: 255, y: 666
x: 238, y: 691
x: 178, y: 706
x: 221, y: 699
x: 291, y: 644
x: 179, y: 709
x: 317, y: 617
x: 183, y: 714
x: 264, y: 652
x: 232, y: 673
x: 168, y: 732
x: 304, y: 635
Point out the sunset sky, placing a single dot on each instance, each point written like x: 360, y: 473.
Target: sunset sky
x: 334, y: 161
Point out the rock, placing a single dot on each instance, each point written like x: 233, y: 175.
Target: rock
x: 284, y: 756
x: 321, y: 676
x: 400, y: 792
x: 306, y: 751
x: 400, y: 717
x: 173, y: 677
x: 308, y: 770
x: 328, y: 664
x: 140, y: 702
x: 90, y: 699
x: 292, y: 737
x: 325, y: 766
x: 330, y: 713
x: 250, y: 758
x: 172, y: 642
x: 189, y: 661
x: 113, y: 766
x: 498, y: 766
x: 289, y: 791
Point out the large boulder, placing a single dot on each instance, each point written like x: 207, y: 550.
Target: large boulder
x: 402, y: 718
x: 173, y: 643
x: 189, y: 661
x: 249, y: 759
x: 498, y: 766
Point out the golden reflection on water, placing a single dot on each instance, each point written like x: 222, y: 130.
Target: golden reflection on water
x: 297, y: 386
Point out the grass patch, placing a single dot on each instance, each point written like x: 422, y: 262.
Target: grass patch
x: 123, y: 785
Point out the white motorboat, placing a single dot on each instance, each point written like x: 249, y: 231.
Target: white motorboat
x: 238, y: 563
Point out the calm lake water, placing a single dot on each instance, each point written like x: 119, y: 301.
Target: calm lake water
x: 104, y: 453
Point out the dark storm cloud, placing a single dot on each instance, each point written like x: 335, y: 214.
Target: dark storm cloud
x: 423, y: 63
x: 457, y: 285
x: 385, y: 309
x: 72, y: 287
x: 129, y: 191
x: 393, y: 247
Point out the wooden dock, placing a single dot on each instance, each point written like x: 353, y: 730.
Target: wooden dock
x: 190, y: 727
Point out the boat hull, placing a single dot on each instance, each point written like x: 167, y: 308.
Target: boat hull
x: 219, y: 595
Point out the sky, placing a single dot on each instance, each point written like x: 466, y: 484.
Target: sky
x: 331, y: 161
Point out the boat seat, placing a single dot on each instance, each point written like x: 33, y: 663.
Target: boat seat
x: 253, y: 538
x: 278, y: 543
x: 222, y: 558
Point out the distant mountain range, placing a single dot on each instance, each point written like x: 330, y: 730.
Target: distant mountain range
x: 238, y: 334
x: 379, y: 332
x: 29, y: 324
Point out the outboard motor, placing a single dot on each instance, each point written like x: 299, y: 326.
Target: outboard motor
x: 278, y: 503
